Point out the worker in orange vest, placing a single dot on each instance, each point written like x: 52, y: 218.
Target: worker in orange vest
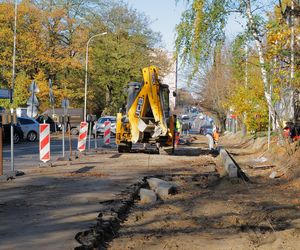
x: 216, y: 135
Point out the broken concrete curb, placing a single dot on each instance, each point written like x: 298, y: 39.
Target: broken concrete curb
x: 162, y: 188
x: 165, y: 190
x: 147, y: 196
x: 229, y: 165
x: 154, y: 183
x: 232, y: 169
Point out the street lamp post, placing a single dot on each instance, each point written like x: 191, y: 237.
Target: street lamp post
x: 86, y: 69
x: 12, y: 166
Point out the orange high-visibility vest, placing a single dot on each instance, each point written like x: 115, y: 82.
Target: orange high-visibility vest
x: 216, y: 136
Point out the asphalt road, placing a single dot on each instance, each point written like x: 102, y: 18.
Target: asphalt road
x: 26, y: 154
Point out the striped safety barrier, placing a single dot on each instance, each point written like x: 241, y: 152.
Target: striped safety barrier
x: 82, y: 136
x: 44, y: 142
x: 106, y: 135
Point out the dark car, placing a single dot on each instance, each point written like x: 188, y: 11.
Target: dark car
x: 49, y: 120
x: 18, y: 133
x: 206, y: 129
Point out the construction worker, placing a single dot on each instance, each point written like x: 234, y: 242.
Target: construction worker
x: 177, y: 132
x: 216, y: 135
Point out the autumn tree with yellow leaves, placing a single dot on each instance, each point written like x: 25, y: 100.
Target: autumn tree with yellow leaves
x: 268, y: 37
x: 51, y: 43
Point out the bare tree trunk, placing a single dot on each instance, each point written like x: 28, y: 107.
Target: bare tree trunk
x: 258, y: 42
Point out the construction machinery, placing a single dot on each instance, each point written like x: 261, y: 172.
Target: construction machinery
x: 147, y: 118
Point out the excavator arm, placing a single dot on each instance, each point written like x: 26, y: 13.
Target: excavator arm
x: 147, y: 116
x: 146, y: 113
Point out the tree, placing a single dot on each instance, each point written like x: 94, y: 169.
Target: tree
x: 217, y: 86
x: 246, y: 98
x: 51, y: 41
x: 117, y: 58
x: 202, y: 28
x: 30, y: 47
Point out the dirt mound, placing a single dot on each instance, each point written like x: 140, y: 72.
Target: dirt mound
x: 254, y: 153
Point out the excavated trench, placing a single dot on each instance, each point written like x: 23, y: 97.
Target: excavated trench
x: 117, y: 211
x: 109, y: 220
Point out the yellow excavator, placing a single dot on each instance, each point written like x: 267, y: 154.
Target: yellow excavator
x: 147, y: 118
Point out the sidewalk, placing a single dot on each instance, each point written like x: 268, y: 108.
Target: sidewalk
x: 45, y: 208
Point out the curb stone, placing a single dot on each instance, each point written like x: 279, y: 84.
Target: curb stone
x: 230, y: 166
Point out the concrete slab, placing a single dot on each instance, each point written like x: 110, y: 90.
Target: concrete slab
x: 147, y: 196
x: 229, y: 165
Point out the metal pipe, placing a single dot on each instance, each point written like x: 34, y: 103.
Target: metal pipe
x: 95, y: 136
x: 70, y: 139
x: 63, y: 139
x: 12, y: 166
x: 90, y: 131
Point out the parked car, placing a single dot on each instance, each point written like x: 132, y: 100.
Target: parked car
x: 18, y: 133
x: 30, y: 128
x: 206, y: 129
x: 49, y: 120
x: 98, y: 128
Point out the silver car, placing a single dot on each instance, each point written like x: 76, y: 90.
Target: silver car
x: 98, y: 128
x: 30, y: 127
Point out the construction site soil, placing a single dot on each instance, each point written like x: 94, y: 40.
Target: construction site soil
x: 93, y: 202
x: 215, y: 212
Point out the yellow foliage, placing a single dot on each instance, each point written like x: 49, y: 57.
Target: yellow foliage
x: 248, y: 102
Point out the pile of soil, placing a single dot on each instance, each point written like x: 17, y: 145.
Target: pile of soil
x: 255, y: 152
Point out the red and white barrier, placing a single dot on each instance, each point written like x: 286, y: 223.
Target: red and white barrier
x: 106, y: 135
x: 82, y: 136
x: 44, y: 142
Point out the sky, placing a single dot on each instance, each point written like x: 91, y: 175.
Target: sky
x: 165, y: 14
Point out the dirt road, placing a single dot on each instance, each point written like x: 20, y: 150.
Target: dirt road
x: 48, y: 207
x: 217, y: 213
